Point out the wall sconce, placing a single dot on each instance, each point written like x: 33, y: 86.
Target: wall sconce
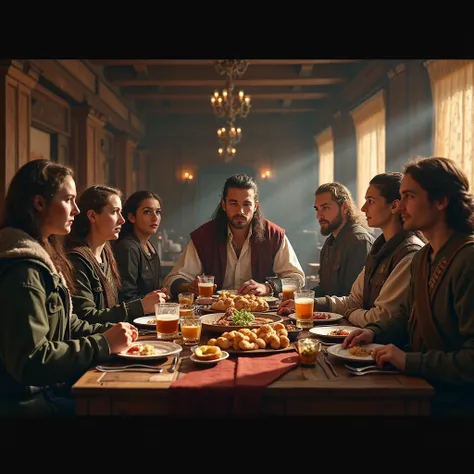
x: 187, y: 176
x: 266, y: 174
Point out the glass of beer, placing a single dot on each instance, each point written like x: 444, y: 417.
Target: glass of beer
x: 190, y: 329
x: 206, y: 285
x: 186, y: 301
x: 167, y: 320
x: 304, y: 307
x: 289, y: 286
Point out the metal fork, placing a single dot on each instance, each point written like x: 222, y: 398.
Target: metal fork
x: 328, y: 363
x: 129, y: 368
x: 374, y: 371
x: 366, y: 368
x: 173, y: 365
x: 370, y: 369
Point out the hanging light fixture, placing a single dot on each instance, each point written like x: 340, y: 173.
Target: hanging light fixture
x: 228, y: 137
x: 226, y: 103
x: 231, y: 67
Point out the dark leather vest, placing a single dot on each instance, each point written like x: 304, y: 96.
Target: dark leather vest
x: 382, y: 259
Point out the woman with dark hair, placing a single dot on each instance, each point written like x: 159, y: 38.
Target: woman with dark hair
x: 137, y: 258
x: 97, y: 276
x: 383, y: 283
x: 44, y: 347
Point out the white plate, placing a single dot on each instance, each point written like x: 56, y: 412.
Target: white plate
x: 333, y: 317
x: 225, y: 354
x: 143, y: 321
x: 325, y: 330
x: 164, y: 349
x: 337, y: 351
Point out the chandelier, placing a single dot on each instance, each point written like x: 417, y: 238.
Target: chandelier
x: 227, y: 104
x: 230, y: 105
x: 228, y: 138
x: 231, y: 67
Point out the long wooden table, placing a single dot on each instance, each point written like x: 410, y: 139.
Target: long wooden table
x: 301, y: 391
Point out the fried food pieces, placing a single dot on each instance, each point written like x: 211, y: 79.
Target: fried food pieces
x: 264, y: 337
x: 248, y: 302
x: 208, y: 352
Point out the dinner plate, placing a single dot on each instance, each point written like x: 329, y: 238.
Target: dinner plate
x: 337, y: 351
x: 163, y: 349
x: 325, y: 331
x: 225, y: 354
x: 333, y: 317
x: 144, y: 321
x: 209, y: 321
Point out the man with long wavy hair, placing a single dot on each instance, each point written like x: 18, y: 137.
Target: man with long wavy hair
x: 345, y: 250
x: 239, y: 246
x: 432, y: 336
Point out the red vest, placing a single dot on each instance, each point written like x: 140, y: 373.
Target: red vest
x: 213, y: 253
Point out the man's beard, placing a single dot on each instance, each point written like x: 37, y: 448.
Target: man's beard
x: 239, y: 225
x: 333, y: 225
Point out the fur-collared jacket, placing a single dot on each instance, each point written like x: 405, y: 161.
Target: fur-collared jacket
x: 41, y: 342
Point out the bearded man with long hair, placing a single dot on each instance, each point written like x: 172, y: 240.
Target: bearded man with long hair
x: 240, y: 247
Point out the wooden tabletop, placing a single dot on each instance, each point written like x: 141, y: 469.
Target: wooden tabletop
x: 301, y: 391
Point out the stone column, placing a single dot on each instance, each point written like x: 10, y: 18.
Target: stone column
x: 17, y: 78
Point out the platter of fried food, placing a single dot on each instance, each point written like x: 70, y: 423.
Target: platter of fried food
x: 234, y: 319
x: 226, y: 300
x: 263, y: 340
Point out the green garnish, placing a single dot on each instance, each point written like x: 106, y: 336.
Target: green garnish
x: 242, y: 317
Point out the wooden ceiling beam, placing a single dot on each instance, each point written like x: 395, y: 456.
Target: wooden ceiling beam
x: 305, y: 70
x: 277, y: 96
x: 141, y: 70
x: 201, y: 111
x: 297, y: 81
x: 211, y: 62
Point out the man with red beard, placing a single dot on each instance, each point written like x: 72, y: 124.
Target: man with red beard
x: 238, y: 246
x: 432, y: 336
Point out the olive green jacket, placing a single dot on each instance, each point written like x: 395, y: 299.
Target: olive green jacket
x: 41, y: 342
x: 89, y: 299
